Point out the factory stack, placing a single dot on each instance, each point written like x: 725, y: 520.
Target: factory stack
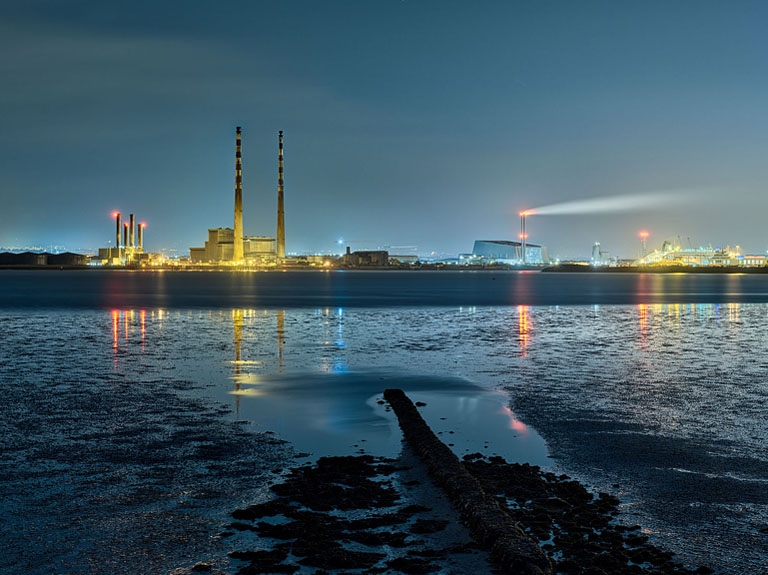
x: 280, y: 207
x: 237, y: 252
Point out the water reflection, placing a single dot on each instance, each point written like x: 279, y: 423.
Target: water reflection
x: 334, y: 345
x: 237, y: 334
x: 125, y: 321
x: 523, y: 329
x: 280, y: 337
x: 331, y: 410
x: 642, y: 320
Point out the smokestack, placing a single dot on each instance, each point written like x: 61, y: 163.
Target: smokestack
x: 125, y: 235
x: 141, y: 237
x: 523, y: 234
x: 130, y: 233
x: 237, y: 252
x: 280, y: 207
x: 524, y: 237
x: 117, y: 231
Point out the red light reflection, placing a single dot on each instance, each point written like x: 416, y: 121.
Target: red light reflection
x: 143, y: 319
x: 126, y: 321
x: 515, y: 424
x: 115, y: 323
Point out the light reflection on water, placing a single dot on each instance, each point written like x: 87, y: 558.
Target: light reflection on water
x: 682, y: 386
x: 304, y: 403
x: 574, y: 345
x: 330, y: 409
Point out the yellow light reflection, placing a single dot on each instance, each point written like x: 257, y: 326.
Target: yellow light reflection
x: 143, y: 319
x: 523, y: 333
x: 247, y: 392
x: 642, y: 320
x: 248, y: 372
x: 126, y: 323
x: 245, y: 379
x: 734, y: 311
x: 280, y: 336
x: 237, y: 336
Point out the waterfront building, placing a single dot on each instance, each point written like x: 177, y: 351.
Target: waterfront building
x: 509, y: 252
x: 600, y: 257
x: 372, y: 258
x: 671, y: 253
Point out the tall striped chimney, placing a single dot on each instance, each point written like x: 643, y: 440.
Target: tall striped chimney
x: 237, y: 252
x: 280, y: 207
x: 131, y: 234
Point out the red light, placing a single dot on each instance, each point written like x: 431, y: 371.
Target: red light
x: 526, y: 213
x: 115, y: 214
x: 644, y: 234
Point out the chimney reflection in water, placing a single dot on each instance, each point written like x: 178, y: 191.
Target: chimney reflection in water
x: 237, y: 328
x: 280, y: 337
x: 238, y: 323
x: 127, y: 319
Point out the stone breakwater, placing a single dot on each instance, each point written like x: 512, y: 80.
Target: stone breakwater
x: 367, y: 515
x: 489, y: 524
x: 522, y: 514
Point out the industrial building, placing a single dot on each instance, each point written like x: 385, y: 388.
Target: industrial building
x: 129, y: 251
x: 672, y: 253
x: 257, y: 250
x: 366, y: 258
x: 509, y: 252
x: 599, y: 257
x: 230, y: 245
x: 32, y: 259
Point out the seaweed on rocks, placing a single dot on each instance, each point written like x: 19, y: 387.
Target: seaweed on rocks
x: 347, y: 515
x: 578, y: 530
x: 364, y: 515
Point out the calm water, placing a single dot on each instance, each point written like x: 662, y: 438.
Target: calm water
x: 139, y: 408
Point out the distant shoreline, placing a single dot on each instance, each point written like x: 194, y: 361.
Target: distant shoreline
x: 562, y: 268
x: 568, y: 268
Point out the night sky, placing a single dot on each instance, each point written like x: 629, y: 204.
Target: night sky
x: 408, y: 124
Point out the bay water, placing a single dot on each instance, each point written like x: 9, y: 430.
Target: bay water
x: 140, y: 408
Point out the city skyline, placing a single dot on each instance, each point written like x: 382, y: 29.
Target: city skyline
x: 424, y: 124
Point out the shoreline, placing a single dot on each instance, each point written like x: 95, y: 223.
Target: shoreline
x: 437, y: 268
x: 374, y: 514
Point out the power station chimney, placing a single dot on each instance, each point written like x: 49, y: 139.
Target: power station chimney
x: 130, y: 233
x: 280, y: 206
x: 237, y: 252
x: 125, y: 235
x: 523, y: 233
x: 117, y: 232
x: 141, y: 237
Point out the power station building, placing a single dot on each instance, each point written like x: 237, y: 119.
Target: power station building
x: 509, y: 252
x: 231, y: 246
x: 130, y: 250
x: 220, y: 247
